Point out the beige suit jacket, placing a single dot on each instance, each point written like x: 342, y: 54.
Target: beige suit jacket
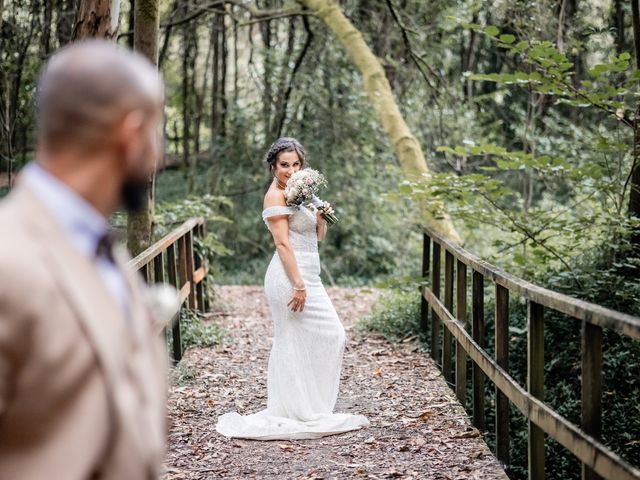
x: 82, y: 390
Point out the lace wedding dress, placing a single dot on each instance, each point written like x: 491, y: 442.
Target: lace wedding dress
x: 306, y: 355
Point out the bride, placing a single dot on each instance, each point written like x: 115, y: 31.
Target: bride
x: 308, y: 344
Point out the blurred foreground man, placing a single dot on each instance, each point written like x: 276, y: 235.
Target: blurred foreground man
x: 82, y: 367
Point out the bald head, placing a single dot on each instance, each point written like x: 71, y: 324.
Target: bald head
x: 87, y: 88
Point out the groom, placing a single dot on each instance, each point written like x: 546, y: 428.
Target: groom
x: 82, y: 371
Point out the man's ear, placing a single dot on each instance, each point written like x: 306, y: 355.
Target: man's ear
x: 130, y: 137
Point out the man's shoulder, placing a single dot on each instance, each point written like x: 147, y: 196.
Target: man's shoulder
x: 21, y: 248
x: 14, y: 220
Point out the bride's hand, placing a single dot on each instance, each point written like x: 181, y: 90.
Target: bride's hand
x: 298, y: 300
x: 327, y: 209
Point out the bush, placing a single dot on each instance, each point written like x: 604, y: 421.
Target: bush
x: 197, y: 331
x: 395, y: 316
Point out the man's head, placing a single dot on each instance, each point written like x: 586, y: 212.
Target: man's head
x: 99, y: 116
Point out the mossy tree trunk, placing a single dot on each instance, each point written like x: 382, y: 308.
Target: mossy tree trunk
x: 145, y: 41
x: 405, y: 145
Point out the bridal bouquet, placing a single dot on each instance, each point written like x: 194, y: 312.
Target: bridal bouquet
x: 302, y: 188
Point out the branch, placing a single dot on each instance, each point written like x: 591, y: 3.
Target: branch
x: 296, y: 67
x: 258, y: 15
x: 265, y: 14
x: 415, y: 57
x: 302, y: 13
x: 192, y: 16
x: 532, y: 236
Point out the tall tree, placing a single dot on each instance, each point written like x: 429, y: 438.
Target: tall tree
x: 405, y: 145
x: 145, y: 41
x: 634, y: 184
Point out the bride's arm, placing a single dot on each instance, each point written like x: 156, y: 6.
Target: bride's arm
x: 321, y: 228
x: 280, y: 230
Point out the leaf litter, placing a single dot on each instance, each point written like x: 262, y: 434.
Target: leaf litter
x: 418, y: 429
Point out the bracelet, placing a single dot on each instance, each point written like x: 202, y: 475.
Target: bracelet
x: 300, y: 289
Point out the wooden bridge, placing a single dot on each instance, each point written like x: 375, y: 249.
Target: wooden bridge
x: 174, y: 259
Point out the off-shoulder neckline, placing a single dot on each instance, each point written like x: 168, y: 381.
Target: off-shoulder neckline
x: 276, y: 206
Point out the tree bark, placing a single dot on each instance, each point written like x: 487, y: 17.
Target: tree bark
x: 405, y: 145
x: 96, y: 18
x: 145, y: 41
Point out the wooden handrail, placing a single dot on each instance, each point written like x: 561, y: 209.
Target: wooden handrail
x: 579, y: 309
x: 583, y: 442
x: 161, y: 245
x: 172, y: 260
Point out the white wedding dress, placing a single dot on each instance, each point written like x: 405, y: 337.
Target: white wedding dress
x: 306, y: 355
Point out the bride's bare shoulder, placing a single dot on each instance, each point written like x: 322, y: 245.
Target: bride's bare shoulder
x: 273, y: 197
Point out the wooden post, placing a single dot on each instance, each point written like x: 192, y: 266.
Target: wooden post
x: 158, y: 277
x: 203, y: 234
x: 461, y: 314
x: 435, y: 288
x: 535, y: 385
x: 424, y: 306
x: 477, y: 314
x: 502, y: 359
x: 189, y: 268
x: 198, y: 262
x: 145, y: 273
x: 173, y: 280
x: 591, y: 387
x: 448, y: 304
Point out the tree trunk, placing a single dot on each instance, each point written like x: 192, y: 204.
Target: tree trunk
x: 405, y: 145
x: 167, y: 34
x: 96, y: 18
x: 634, y: 184
x: 223, y: 76
x: 145, y: 41
x: 618, y: 23
x: 65, y: 21
x: 286, y: 95
x: 186, y: 110
x: 46, y: 28
x: 132, y: 22
x: 267, y: 98
x: 215, y: 65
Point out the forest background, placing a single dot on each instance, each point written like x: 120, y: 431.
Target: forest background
x: 526, y: 112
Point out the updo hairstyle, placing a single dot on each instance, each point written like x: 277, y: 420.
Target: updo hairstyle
x: 284, y: 144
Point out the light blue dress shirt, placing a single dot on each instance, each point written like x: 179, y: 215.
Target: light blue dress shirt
x: 80, y: 221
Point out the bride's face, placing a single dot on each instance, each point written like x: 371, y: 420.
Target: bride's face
x: 287, y: 164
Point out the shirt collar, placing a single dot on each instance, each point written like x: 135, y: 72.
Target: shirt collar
x: 78, y: 218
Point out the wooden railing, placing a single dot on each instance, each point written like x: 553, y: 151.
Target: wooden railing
x: 173, y: 260
x: 584, y: 441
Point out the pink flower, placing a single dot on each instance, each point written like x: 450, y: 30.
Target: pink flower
x: 309, y: 181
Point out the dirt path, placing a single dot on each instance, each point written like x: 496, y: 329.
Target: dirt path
x: 418, y: 429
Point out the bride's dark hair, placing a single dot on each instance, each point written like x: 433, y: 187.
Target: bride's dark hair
x: 284, y: 144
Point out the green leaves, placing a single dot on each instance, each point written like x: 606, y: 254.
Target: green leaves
x: 507, y: 38
x: 616, y: 65
x: 492, y: 31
